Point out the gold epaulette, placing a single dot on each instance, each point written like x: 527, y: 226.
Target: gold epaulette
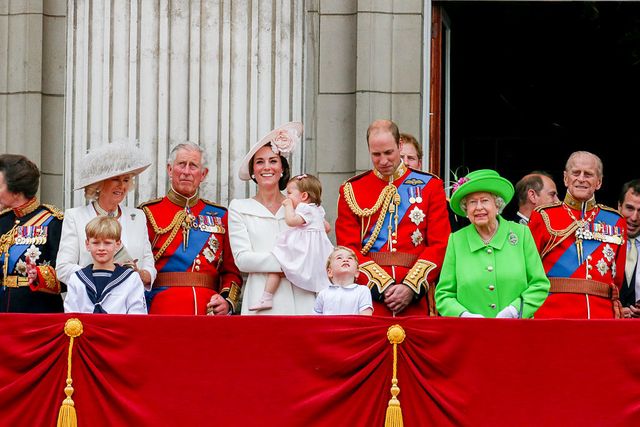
x: 4, y: 211
x: 210, y: 203
x: 150, y: 202
x: 54, y: 211
x: 610, y: 209
x: 548, y: 205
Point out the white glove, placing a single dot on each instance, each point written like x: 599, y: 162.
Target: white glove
x: 472, y: 315
x: 509, y: 312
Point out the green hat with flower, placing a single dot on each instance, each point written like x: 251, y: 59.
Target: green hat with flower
x: 485, y: 180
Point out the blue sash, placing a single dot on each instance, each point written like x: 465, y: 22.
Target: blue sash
x: 405, y: 204
x: 182, y: 260
x: 567, y: 264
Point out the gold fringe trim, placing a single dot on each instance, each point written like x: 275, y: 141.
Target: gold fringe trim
x: 67, y: 415
x: 393, y: 417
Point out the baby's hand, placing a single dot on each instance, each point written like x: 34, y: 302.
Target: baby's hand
x: 287, y: 202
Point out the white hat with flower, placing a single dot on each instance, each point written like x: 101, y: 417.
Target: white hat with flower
x: 283, y: 141
x: 110, y: 160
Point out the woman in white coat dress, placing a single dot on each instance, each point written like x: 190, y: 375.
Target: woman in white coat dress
x: 106, y: 176
x: 255, y: 223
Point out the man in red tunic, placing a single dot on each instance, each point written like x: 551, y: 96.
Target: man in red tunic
x: 395, y: 219
x: 582, y: 245
x: 190, y: 242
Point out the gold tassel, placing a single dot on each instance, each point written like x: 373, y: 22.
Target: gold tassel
x: 393, y: 418
x: 67, y: 415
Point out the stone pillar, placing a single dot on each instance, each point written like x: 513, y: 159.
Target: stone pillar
x: 32, y: 51
x: 219, y: 73
x: 364, y: 63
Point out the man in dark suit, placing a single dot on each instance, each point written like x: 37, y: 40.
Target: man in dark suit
x: 629, y: 207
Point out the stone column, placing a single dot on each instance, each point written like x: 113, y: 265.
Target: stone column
x: 32, y: 51
x: 219, y: 73
x: 364, y: 63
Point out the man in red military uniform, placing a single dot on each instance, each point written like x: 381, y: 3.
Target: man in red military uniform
x: 582, y: 245
x: 190, y: 243
x: 395, y: 218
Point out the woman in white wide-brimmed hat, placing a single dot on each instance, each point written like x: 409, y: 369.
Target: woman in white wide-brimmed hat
x: 107, y: 176
x: 255, y: 223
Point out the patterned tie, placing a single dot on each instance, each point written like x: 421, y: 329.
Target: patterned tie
x: 632, y: 259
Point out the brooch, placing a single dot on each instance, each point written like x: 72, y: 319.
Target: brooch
x: 513, y: 238
x: 416, y: 237
x: 416, y: 215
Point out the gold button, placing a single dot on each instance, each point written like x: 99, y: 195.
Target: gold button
x: 589, y: 266
x: 394, y: 241
x: 589, y: 257
x: 588, y: 276
x: 197, y: 268
x: 393, y: 250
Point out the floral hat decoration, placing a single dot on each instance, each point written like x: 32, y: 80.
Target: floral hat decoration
x: 109, y: 160
x: 486, y: 180
x: 283, y: 141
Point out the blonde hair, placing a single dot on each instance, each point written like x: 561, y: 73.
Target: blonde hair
x: 308, y: 184
x: 103, y: 227
x: 341, y: 248
x: 92, y: 191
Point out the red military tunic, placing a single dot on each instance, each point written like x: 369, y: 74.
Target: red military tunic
x: 193, y: 241
x: 573, y: 244
x: 399, y: 231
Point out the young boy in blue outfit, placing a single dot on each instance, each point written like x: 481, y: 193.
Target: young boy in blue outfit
x: 104, y: 286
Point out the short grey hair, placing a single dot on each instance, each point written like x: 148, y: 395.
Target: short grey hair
x: 189, y: 146
x: 572, y: 157
x: 500, y: 203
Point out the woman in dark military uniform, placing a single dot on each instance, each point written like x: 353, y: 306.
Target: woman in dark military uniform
x: 29, y: 239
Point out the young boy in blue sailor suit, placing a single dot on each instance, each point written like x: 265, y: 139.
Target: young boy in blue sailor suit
x: 105, y: 287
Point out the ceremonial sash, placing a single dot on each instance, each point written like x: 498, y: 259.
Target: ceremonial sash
x: 404, y: 190
x: 119, y: 275
x: 568, y: 263
x: 182, y: 260
x: 43, y: 218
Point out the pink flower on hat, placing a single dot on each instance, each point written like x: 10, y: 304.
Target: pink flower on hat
x: 285, y: 141
x: 458, y: 183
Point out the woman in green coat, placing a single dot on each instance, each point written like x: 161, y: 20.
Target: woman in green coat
x: 492, y: 267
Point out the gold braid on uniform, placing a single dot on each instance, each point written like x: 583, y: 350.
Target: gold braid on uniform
x: 557, y: 236
x: 383, y: 202
x: 174, y: 227
x: 417, y: 276
x: 376, y: 275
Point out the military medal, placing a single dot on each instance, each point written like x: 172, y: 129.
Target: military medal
x: 412, y: 199
x: 418, y: 194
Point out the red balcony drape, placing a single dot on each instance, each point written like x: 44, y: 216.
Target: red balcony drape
x: 320, y: 371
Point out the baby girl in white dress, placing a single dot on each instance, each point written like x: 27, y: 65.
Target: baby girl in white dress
x: 303, y: 249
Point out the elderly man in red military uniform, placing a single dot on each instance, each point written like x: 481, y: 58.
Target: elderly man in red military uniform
x: 395, y: 219
x: 582, y: 245
x: 190, y: 243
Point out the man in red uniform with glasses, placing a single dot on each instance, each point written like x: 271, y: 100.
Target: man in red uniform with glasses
x: 395, y: 218
x: 190, y: 242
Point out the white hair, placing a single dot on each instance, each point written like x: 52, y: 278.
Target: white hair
x: 189, y: 146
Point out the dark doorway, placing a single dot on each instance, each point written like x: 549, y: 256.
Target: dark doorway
x: 546, y: 79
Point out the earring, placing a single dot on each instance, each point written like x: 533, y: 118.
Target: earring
x: 253, y: 177
x: 281, y: 175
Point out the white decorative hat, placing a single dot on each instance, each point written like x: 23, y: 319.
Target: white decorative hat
x: 110, y: 160
x: 283, y: 140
